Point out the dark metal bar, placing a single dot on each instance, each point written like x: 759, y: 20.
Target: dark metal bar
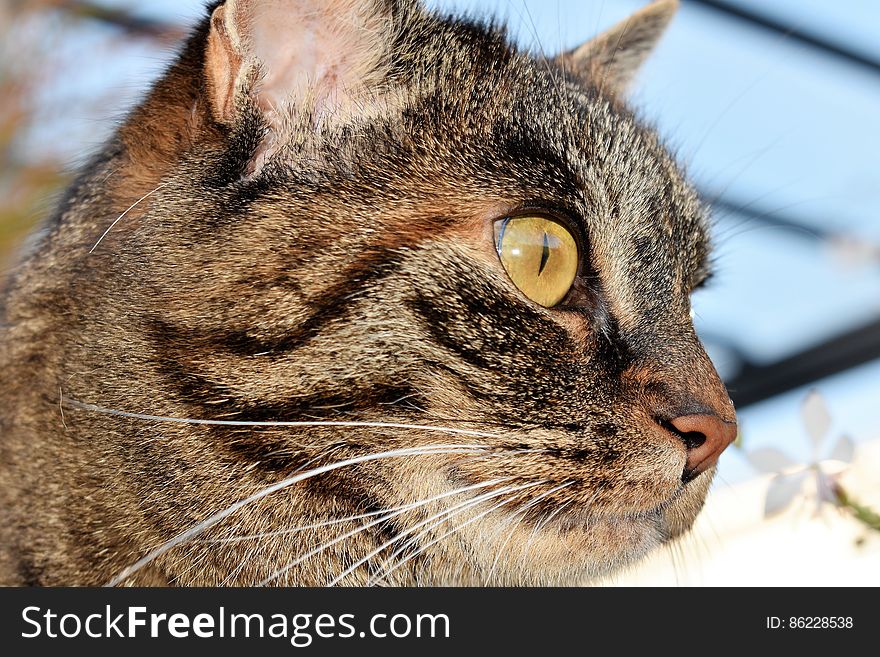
x: 768, y: 24
x: 851, y: 349
x: 122, y: 19
x: 775, y: 219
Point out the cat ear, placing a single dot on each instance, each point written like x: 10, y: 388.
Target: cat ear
x: 614, y: 57
x: 312, y: 55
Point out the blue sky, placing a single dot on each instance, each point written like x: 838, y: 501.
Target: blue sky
x: 759, y: 117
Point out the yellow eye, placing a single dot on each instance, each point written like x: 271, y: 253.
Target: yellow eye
x: 539, y: 255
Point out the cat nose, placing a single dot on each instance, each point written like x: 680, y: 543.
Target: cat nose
x: 705, y: 437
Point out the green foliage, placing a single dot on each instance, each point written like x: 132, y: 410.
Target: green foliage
x: 860, y: 512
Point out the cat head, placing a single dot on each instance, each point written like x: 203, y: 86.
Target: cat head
x: 390, y: 216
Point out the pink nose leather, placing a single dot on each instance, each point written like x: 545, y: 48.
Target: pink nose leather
x: 705, y: 437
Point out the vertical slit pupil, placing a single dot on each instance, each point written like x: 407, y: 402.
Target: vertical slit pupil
x: 545, y: 254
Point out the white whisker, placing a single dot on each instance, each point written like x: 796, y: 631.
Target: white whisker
x: 129, y: 209
x: 321, y: 548
x: 537, y: 528
x: 443, y: 514
x: 513, y: 518
x: 386, y: 513
x: 245, y: 423
x: 372, y: 581
x: 217, y: 517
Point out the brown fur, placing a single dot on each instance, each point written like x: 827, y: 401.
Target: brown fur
x: 332, y: 263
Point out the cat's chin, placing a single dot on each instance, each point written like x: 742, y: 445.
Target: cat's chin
x: 679, y: 515
x: 581, y: 548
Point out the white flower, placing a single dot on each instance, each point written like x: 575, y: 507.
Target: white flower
x: 790, y: 475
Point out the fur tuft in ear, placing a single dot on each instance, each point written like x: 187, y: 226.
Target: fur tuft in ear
x: 312, y: 56
x: 613, y: 58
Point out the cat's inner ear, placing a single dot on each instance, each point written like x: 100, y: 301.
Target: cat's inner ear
x: 614, y: 57
x: 313, y: 56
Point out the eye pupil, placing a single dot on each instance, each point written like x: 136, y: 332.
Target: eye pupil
x: 545, y: 255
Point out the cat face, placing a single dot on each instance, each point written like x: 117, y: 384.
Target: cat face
x: 329, y: 248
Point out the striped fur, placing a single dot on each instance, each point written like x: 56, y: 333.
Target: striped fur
x: 342, y: 270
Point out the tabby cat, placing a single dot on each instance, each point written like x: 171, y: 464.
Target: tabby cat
x: 362, y: 294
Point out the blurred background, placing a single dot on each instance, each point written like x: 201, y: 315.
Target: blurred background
x: 772, y: 106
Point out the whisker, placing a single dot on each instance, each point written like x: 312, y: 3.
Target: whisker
x: 511, y: 520
x: 61, y: 406
x: 537, y: 528
x: 322, y: 455
x: 547, y: 520
x: 373, y: 580
x: 414, y: 540
x: 129, y: 209
x: 443, y: 514
x: 321, y: 548
x: 336, y: 521
x: 250, y: 557
x: 557, y: 81
x: 298, y: 423
x: 217, y: 517
x: 674, y: 554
